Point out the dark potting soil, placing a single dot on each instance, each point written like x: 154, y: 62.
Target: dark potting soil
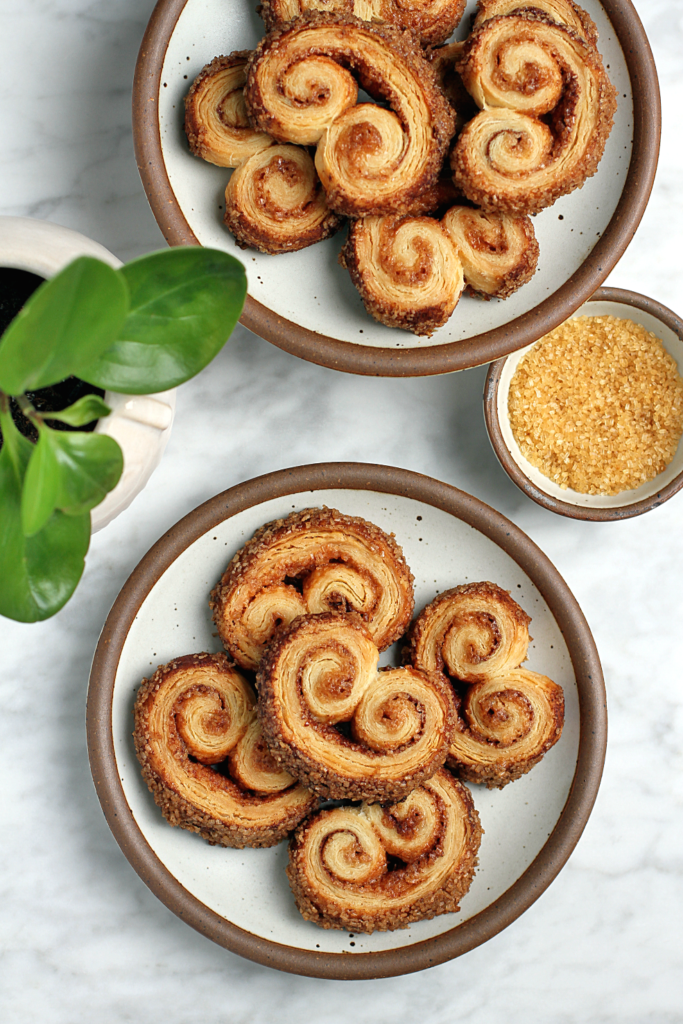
x: 16, y: 286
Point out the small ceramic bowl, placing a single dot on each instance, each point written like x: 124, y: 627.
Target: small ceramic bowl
x: 605, y: 302
x: 140, y: 423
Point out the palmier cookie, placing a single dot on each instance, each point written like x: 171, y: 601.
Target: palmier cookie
x: 343, y: 727
x: 197, y: 714
x: 508, y: 717
x: 313, y: 561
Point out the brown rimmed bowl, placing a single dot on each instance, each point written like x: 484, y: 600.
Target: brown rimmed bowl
x: 627, y: 305
x: 304, y: 302
x: 240, y: 898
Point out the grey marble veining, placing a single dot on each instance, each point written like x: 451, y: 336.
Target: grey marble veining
x: 82, y: 937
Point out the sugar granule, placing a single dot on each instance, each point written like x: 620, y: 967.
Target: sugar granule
x: 597, y: 405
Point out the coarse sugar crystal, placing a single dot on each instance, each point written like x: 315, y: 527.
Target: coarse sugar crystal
x: 597, y: 405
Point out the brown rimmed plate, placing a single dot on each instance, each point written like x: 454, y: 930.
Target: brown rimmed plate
x: 304, y: 302
x: 240, y: 898
x: 626, y: 305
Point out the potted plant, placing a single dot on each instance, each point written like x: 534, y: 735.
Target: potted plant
x: 141, y: 424
x: 145, y: 327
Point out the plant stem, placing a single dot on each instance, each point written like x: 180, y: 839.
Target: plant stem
x: 29, y: 412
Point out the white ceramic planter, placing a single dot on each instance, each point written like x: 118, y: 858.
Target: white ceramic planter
x: 141, y: 424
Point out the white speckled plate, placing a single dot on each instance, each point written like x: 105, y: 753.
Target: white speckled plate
x: 304, y: 301
x: 241, y: 898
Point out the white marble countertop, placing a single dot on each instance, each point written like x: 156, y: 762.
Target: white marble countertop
x: 82, y: 937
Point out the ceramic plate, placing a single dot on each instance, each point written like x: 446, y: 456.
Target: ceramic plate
x: 321, y: 317
x: 241, y: 898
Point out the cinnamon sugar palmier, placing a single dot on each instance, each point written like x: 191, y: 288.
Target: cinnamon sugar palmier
x: 216, y: 121
x: 508, y: 717
x: 564, y: 12
x: 406, y: 269
x: 316, y: 560
x: 498, y: 252
x: 373, y: 868
x: 274, y: 202
x: 198, y: 711
x: 432, y: 21
x: 320, y: 673
x: 548, y: 109
x: 371, y: 160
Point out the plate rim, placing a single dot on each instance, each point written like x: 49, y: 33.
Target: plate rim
x: 434, y: 359
x: 564, y: 608
x: 565, y: 508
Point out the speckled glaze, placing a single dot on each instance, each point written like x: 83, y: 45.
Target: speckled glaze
x: 322, y: 319
x: 242, y: 901
x: 628, y: 305
x: 141, y: 424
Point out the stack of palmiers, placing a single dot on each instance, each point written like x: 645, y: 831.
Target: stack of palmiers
x: 306, y: 607
x: 438, y: 194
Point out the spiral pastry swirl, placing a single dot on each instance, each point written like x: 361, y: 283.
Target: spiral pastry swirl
x: 371, y: 160
x: 548, y: 109
x: 198, y: 711
x: 321, y: 672
x: 274, y: 202
x: 374, y: 868
x: 216, y: 122
x: 406, y: 269
x: 498, y: 252
x: 508, y: 717
x: 313, y: 561
x: 432, y: 21
x: 563, y: 12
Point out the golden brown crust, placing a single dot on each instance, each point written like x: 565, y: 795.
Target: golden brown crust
x: 406, y: 269
x: 438, y: 198
x: 216, y: 121
x: 198, y: 711
x: 508, y: 717
x: 444, y: 59
x: 274, y: 202
x: 371, y: 160
x: 312, y: 561
x: 320, y: 673
x: 498, y: 252
x: 432, y: 21
x: 563, y: 12
x: 548, y: 108
x: 342, y: 877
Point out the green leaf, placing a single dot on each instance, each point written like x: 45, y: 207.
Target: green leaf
x: 184, y: 304
x: 85, y: 410
x: 40, y: 573
x: 41, y: 486
x: 69, y: 472
x: 65, y: 325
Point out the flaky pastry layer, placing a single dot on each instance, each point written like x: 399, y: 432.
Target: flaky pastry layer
x: 374, y: 868
x: 406, y: 269
x: 315, y: 560
x: 563, y: 12
x: 198, y: 711
x: 371, y: 159
x: 274, y: 202
x: 321, y: 673
x: 216, y: 122
x: 498, y: 252
x: 477, y: 636
x: 547, y: 111
x: 432, y: 21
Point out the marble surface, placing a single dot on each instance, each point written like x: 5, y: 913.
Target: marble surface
x: 82, y: 937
